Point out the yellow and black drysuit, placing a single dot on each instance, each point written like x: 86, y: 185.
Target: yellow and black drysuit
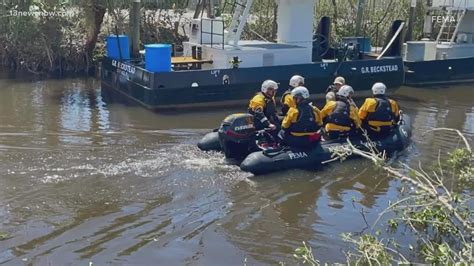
x: 379, y: 115
x: 332, y: 88
x: 340, y: 118
x: 331, y: 93
x: 300, y: 126
x: 287, y: 101
x: 263, y: 108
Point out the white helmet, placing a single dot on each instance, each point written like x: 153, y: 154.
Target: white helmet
x: 300, y: 91
x: 345, y: 91
x: 269, y: 84
x: 296, y: 81
x: 379, y: 88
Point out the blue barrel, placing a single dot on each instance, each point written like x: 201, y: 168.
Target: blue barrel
x: 158, y: 57
x: 113, y: 42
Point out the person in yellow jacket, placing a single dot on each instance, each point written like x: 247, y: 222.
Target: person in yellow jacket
x: 263, y: 107
x: 340, y: 117
x: 286, y: 99
x: 302, y: 122
x: 379, y: 114
x: 333, y: 88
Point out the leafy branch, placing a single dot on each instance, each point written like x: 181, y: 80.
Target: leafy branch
x: 432, y: 210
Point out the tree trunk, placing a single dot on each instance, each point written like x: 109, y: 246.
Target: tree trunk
x: 94, y: 17
x: 275, y: 21
x: 198, y: 9
x: 335, y: 18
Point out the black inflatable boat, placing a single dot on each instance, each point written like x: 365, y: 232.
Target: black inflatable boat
x: 267, y: 161
x: 238, y: 139
x: 210, y: 142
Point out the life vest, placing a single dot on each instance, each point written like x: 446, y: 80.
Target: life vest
x: 331, y: 88
x: 269, y: 108
x: 341, y: 115
x: 287, y: 103
x: 383, y: 110
x: 285, y: 94
x: 306, y: 121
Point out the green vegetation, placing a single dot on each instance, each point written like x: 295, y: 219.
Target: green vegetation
x: 67, y: 37
x: 377, y: 19
x: 369, y: 250
x: 305, y: 255
x: 439, y: 217
x: 4, y: 236
x: 49, y: 36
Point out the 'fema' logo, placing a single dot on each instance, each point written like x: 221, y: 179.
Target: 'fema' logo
x: 297, y: 155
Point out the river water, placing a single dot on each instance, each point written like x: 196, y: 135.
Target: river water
x: 85, y: 178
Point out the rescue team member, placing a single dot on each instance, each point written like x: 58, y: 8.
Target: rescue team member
x: 302, y: 122
x: 286, y: 99
x: 379, y: 114
x: 262, y: 106
x: 351, y: 101
x: 334, y: 88
x: 340, y: 117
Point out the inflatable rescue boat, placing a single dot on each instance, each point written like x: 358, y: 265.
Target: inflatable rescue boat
x: 238, y: 139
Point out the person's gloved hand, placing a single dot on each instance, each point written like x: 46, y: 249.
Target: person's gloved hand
x: 281, y: 134
x: 314, y: 137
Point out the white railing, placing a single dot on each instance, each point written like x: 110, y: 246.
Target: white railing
x: 459, y: 21
x: 457, y: 6
x: 239, y: 18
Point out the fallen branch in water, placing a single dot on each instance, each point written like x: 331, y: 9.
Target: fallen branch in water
x: 420, y: 179
x: 436, y: 214
x: 466, y: 143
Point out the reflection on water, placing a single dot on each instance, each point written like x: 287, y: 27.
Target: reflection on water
x: 88, y: 179
x: 83, y: 111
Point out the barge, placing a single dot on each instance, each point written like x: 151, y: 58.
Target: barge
x: 219, y: 69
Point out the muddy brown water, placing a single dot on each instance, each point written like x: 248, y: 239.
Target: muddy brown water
x: 85, y: 178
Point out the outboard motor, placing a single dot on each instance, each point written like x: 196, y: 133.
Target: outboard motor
x: 237, y: 135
